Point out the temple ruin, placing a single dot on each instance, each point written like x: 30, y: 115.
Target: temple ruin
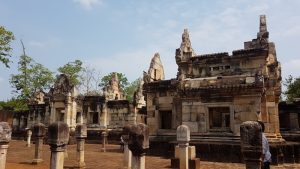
x: 213, y: 94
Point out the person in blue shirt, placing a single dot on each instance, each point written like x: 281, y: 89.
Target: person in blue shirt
x: 266, y: 155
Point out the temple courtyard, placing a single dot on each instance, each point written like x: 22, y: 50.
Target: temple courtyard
x: 20, y: 157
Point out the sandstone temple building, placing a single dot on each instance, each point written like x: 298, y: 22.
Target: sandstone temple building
x: 213, y: 94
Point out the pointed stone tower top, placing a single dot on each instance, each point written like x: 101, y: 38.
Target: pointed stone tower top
x: 263, y: 32
x: 186, y: 43
x: 156, y: 69
x: 114, y: 83
x: 262, y: 24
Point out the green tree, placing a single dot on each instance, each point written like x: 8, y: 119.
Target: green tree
x: 131, y: 88
x: 5, y: 39
x: 72, y: 70
x: 293, y: 88
x: 123, y: 81
x: 31, y: 78
x: 14, y: 104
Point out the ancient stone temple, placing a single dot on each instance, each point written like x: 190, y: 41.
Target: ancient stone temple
x: 62, y: 103
x: 213, y: 94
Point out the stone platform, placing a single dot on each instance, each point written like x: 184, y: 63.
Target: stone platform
x: 222, y: 149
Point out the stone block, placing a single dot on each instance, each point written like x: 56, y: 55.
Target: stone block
x: 194, y: 163
x: 192, y: 152
x: 5, y: 132
x: 58, y: 134
x: 250, y: 80
x: 193, y: 126
x: 39, y: 130
x: 186, y: 116
x: 194, y: 116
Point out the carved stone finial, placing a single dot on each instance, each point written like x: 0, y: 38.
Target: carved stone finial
x: 185, y: 51
x: 186, y: 43
x: 262, y: 23
x: 263, y: 33
x: 138, y: 139
x: 156, y: 69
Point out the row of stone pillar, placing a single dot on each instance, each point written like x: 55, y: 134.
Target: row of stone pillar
x: 136, y: 142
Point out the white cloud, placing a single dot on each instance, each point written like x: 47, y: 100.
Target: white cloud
x: 88, y: 4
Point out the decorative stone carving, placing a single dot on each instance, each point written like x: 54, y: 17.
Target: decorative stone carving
x: 183, y: 134
x: 138, y: 139
x: 138, y: 144
x: 156, y: 69
x: 62, y: 85
x: 185, y: 51
x: 112, y: 91
x: 139, y: 99
x: 251, y: 144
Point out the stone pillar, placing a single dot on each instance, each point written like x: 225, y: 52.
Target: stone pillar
x: 183, y: 138
x: 104, y: 135
x: 251, y: 144
x: 80, y: 134
x: 39, y: 132
x: 29, y: 133
x: 127, y: 153
x: 58, y: 137
x: 138, y: 143
x: 5, y: 137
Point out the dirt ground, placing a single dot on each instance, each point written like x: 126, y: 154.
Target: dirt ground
x: 20, y: 157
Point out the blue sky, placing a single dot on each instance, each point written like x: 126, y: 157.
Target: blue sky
x: 123, y: 35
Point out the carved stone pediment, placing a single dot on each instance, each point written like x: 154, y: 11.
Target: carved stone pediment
x: 62, y: 85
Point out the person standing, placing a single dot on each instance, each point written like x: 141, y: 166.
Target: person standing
x: 266, y: 155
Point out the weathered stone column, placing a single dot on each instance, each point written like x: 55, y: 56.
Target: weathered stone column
x: 58, y: 137
x: 80, y: 134
x: 104, y: 140
x: 127, y: 153
x: 138, y: 144
x: 251, y: 144
x: 29, y: 133
x: 39, y: 132
x: 183, y: 138
x: 5, y: 137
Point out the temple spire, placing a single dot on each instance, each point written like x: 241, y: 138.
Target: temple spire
x: 186, y: 45
x: 263, y: 32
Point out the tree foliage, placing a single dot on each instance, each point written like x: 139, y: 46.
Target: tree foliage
x: 5, y: 39
x: 72, y: 70
x: 131, y: 88
x: 32, y: 77
x: 293, y: 88
x: 14, y: 104
x: 123, y: 81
